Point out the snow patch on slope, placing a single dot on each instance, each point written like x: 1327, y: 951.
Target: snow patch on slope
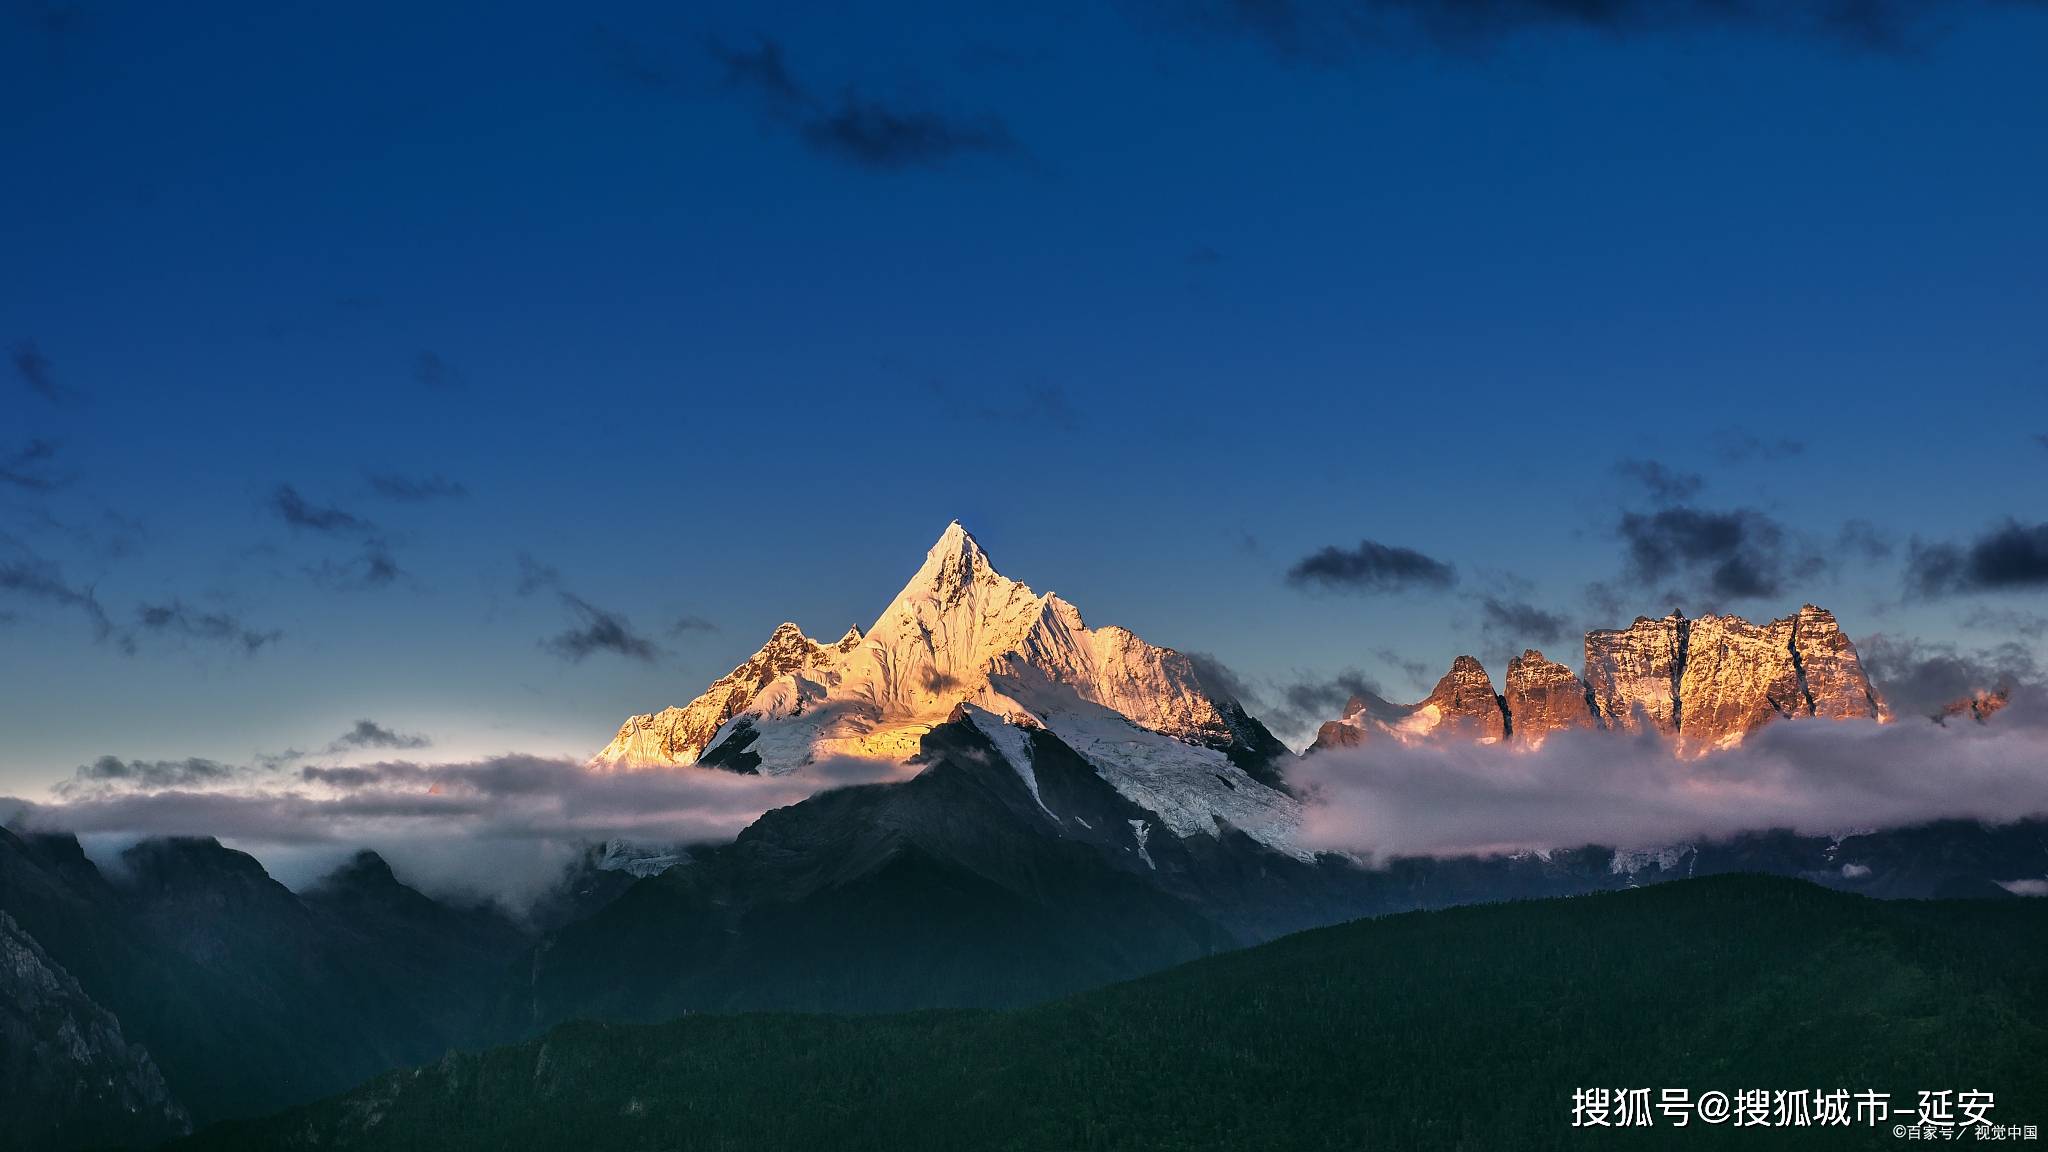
x: 1013, y: 743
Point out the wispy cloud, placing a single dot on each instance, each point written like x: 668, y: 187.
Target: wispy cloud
x: 1329, y: 29
x: 373, y: 567
x: 173, y: 618
x: 689, y: 622
x: 1663, y: 484
x: 370, y: 734
x: 1043, y: 405
x: 33, y: 578
x: 2007, y: 621
x: 35, y: 371
x: 856, y: 127
x: 1863, y: 540
x: 1738, y: 447
x: 28, y: 467
x: 435, y: 374
x: 596, y: 629
x: 299, y: 512
x: 415, y: 489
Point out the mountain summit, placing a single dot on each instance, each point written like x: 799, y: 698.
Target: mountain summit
x: 959, y: 633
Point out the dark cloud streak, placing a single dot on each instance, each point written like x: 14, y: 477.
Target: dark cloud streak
x: 27, y: 467
x: 1728, y: 555
x: 1743, y: 447
x: 1664, y: 484
x: 1371, y: 567
x: 597, y: 630
x: 857, y: 128
x: 1519, y: 622
x: 34, y: 369
x: 112, y: 772
x: 174, y: 618
x: 2010, y: 557
x: 1329, y: 29
x: 690, y: 622
x: 370, y: 734
x: 36, y: 579
x: 415, y: 489
x: 299, y: 513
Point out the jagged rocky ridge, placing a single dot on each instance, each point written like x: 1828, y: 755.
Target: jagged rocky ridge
x: 1183, y: 749
x: 1705, y: 683
x: 677, y: 736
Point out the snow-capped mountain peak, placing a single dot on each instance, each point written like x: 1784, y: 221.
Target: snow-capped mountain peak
x: 958, y: 633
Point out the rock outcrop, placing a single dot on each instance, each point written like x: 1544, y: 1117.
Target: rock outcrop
x: 1978, y: 706
x: 1544, y: 696
x: 1633, y: 673
x: 1462, y: 706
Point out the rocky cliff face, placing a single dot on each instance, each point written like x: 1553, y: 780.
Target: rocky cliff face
x: 1836, y: 686
x: 68, y: 1077
x: 1710, y: 682
x: 1705, y: 683
x: 1633, y: 673
x: 1544, y: 696
x: 1463, y: 705
x: 1736, y: 678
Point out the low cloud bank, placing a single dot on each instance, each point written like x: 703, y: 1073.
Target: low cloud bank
x: 501, y: 827
x: 1580, y: 788
x: 504, y: 827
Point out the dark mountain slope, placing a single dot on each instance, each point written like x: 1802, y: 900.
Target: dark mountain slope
x: 247, y: 996
x: 68, y: 1078
x: 969, y: 887
x: 1467, y: 1028
x: 952, y: 888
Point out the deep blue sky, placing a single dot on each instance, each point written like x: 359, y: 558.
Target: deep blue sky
x: 724, y: 316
